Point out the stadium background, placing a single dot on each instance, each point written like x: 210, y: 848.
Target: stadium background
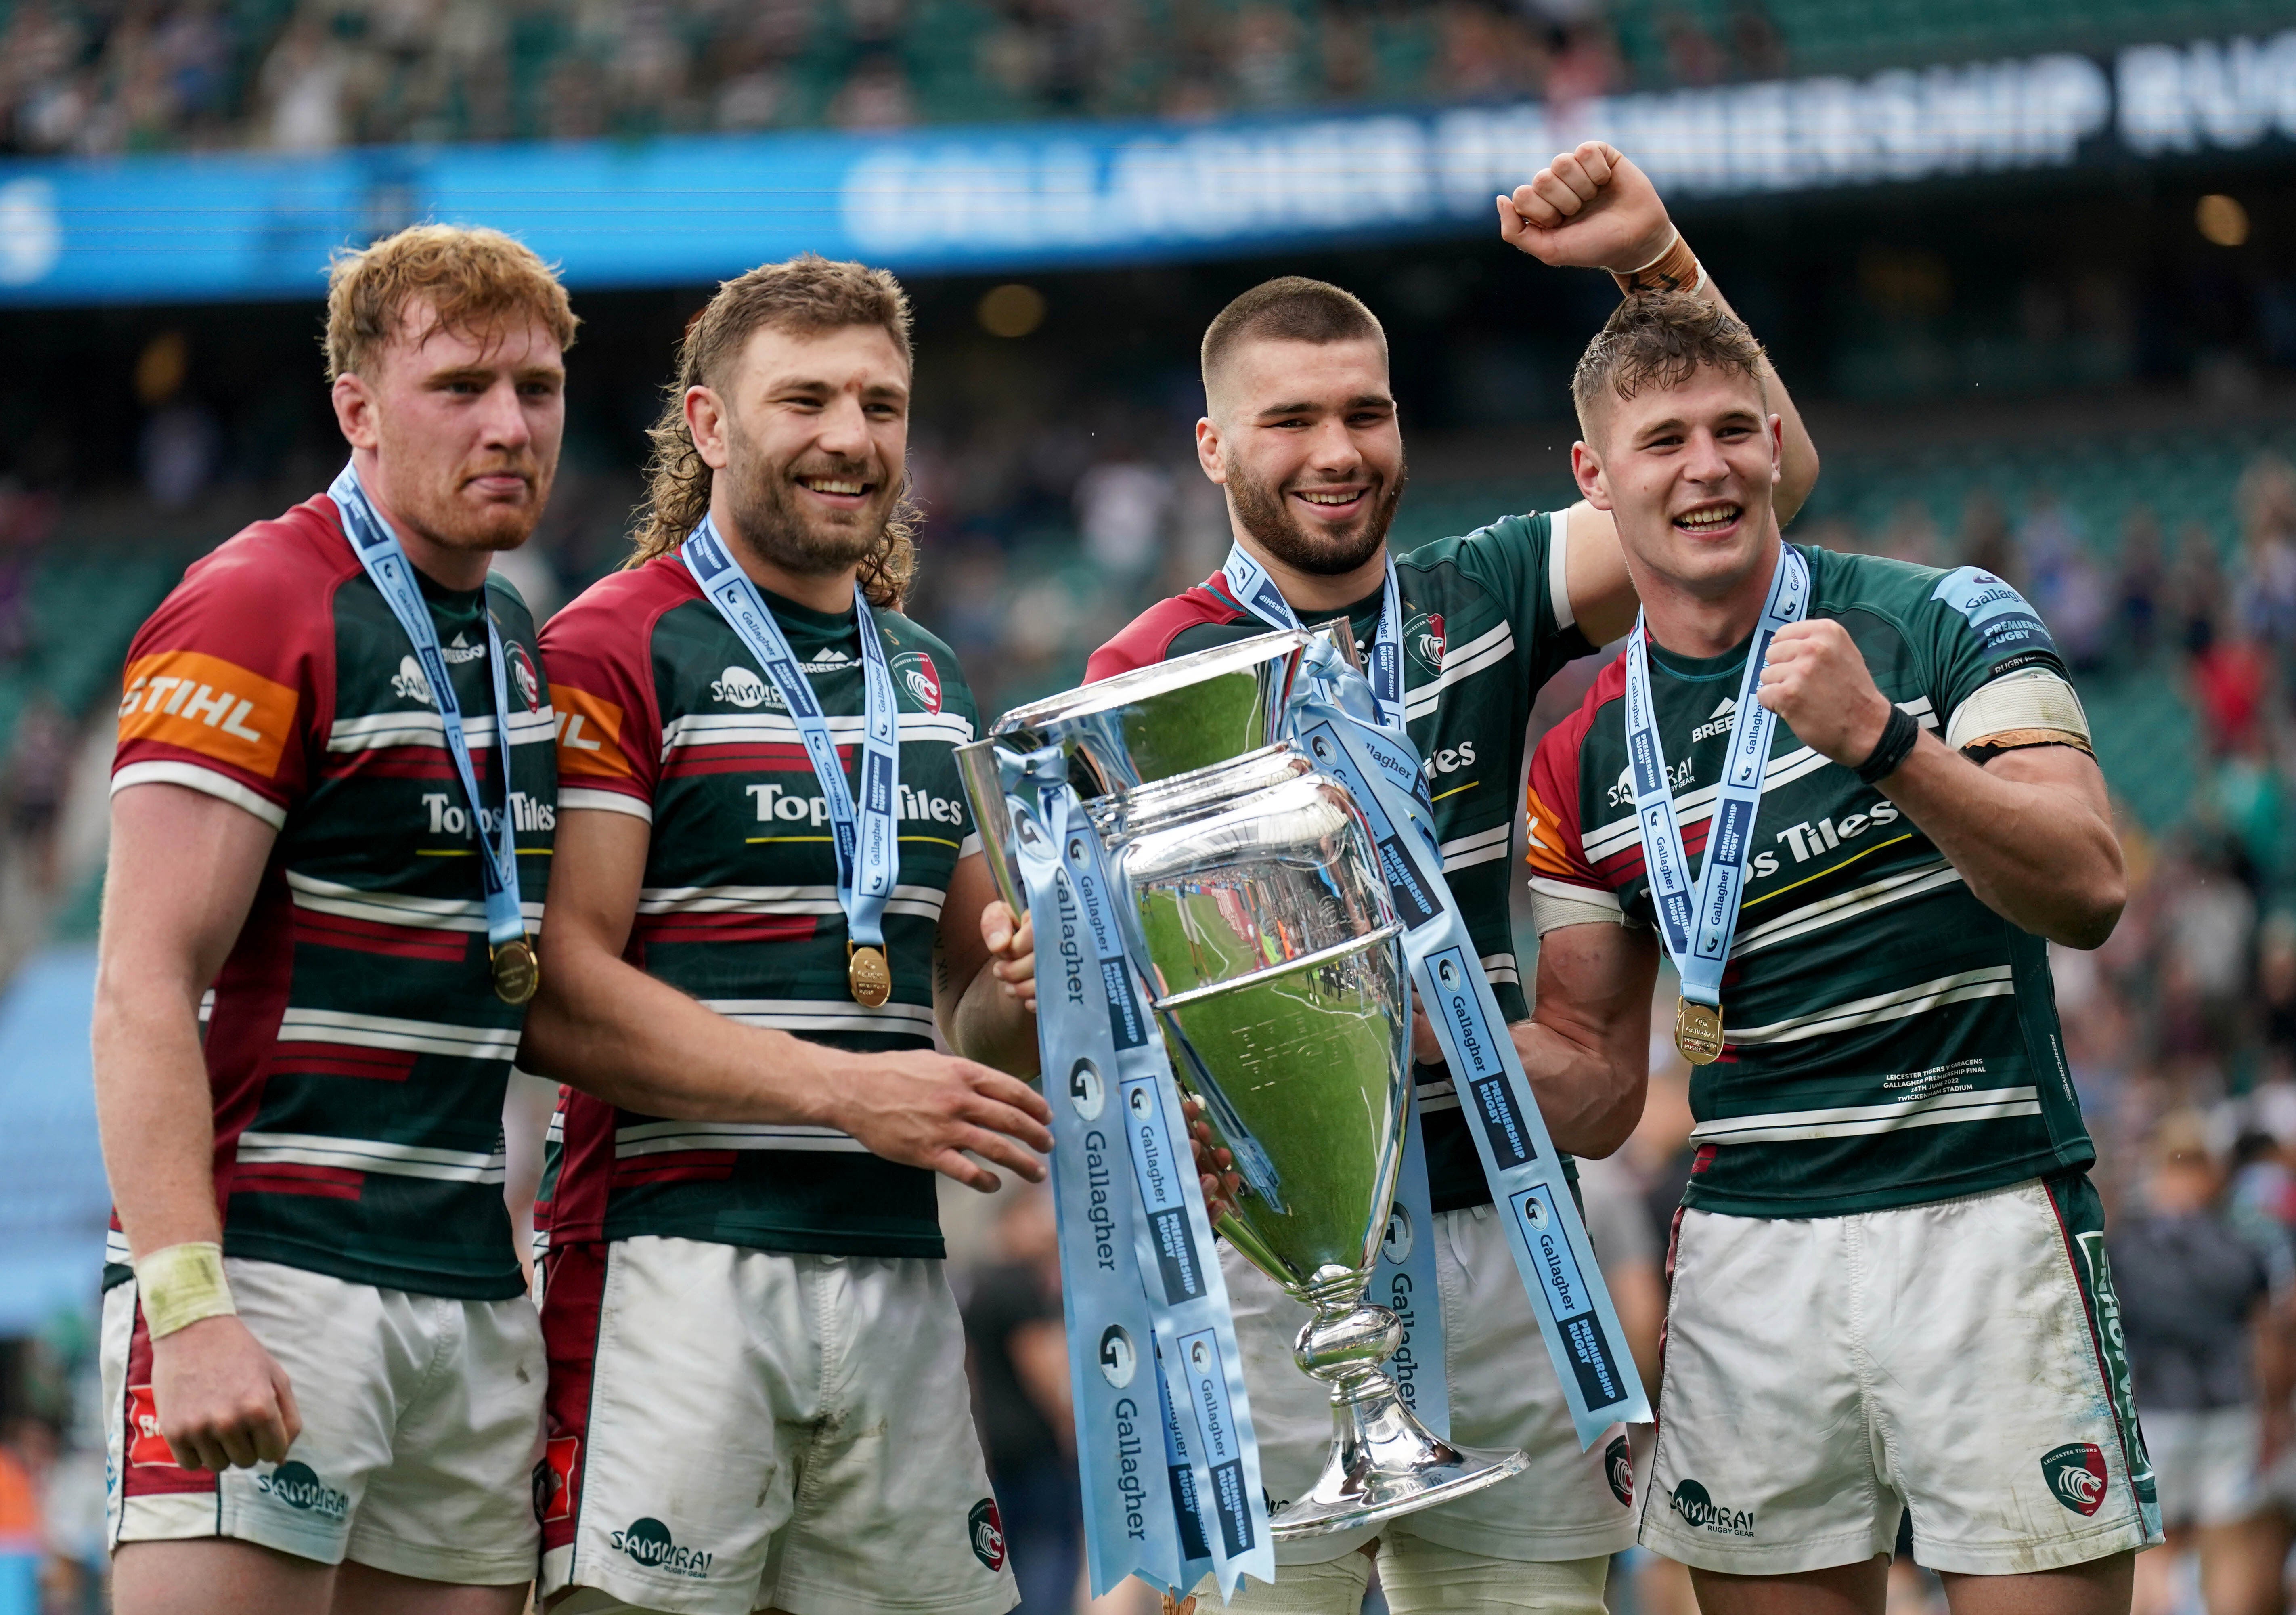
x: 2030, y: 272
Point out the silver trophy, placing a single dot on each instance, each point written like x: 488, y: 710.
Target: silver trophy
x: 1252, y: 901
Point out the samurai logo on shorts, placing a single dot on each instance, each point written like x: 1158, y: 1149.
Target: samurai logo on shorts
x: 1701, y: 1513
x: 296, y: 1485
x: 2075, y: 1473
x: 648, y: 1541
x: 986, y: 1529
x: 914, y: 671
x: 1619, y: 1470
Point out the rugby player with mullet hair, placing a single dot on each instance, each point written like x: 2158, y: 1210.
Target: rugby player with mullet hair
x: 757, y: 1397
x: 1301, y: 428
x: 1890, y: 1291
x: 323, y: 1379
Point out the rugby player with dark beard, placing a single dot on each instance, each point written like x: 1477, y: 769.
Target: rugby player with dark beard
x: 1301, y: 430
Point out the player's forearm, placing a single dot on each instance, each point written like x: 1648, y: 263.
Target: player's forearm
x: 607, y: 1028
x: 1798, y: 467
x: 2038, y: 855
x: 155, y: 1112
x: 990, y: 1026
x: 1590, y: 1095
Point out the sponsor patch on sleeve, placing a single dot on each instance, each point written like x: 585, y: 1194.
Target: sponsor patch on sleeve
x: 589, y: 735
x: 202, y: 703
x: 2006, y: 624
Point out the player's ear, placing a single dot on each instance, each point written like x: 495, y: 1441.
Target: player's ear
x: 1210, y: 452
x: 1776, y: 425
x: 354, y: 402
x: 705, y: 419
x: 1587, y: 471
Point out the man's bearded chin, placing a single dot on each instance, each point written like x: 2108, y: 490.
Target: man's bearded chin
x: 440, y: 512
x: 762, y: 499
x: 1333, y: 552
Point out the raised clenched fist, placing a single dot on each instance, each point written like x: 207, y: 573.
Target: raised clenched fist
x: 1589, y: 208
x: 1816, y: 680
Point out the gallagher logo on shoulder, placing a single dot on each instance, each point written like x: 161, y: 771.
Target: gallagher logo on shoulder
x: 1422, y: 636
x: 2075, y: 1473
x: 913, y: 672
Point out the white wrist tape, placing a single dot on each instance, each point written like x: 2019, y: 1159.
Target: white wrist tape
x: 182, y: 1284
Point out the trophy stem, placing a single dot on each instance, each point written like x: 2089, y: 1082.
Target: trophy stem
x: 1383, y: 1461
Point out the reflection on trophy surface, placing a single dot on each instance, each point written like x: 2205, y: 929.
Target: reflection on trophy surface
x: 1252, y: 901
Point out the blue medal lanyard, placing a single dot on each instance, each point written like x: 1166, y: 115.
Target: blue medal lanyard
x: 1699, y: 922
x: 379, y: 552
x: 1257, y: 593
x: 868, y: 855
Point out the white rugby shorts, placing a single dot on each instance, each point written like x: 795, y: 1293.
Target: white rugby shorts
x: 1567, y: 1505
x: 732, y: 1429
x: 1961, y: 1360
x: 421, y: 1424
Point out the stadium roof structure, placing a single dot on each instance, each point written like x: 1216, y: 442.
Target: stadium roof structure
x: 987, y: 198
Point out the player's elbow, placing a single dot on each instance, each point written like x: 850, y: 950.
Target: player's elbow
x: 2087, y: 919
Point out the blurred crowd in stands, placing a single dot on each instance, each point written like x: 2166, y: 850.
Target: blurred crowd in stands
x: 105, y: 76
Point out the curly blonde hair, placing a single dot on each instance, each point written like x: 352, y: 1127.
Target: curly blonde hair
x: 472, y: 278
x: 808, y: 294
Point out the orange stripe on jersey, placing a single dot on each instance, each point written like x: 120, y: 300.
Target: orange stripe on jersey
x: 1544, y: 833
x: 211, y: 706
x: 589, y: 735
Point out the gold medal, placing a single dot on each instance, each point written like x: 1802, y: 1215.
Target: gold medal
x: 517, y: 973
x: 866, y: 974
x: 1698, y: 1031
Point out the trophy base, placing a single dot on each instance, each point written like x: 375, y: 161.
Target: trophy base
x: 1383, y: 1462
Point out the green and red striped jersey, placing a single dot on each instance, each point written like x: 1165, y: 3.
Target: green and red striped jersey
x: 669, y: 719
x: 1888, y: 1039
x: 354, y: 1042
x: 1486, y: 622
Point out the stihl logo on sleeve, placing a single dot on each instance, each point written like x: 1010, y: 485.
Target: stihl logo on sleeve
x: 205, y: 704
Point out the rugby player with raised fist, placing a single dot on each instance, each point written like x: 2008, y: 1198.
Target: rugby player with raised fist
x: 323, y: 1379
x: 769, y: 891
x: 1891, y: 1293
x: 1303, y: 432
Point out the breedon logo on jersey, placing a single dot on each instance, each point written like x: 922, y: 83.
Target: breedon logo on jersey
x: 294, y: 1485
x: 1700, y: 1513
x: 985, y: 1529
x: 648, y: 1541
x: 2075, y: 1473
x: 914, y: 671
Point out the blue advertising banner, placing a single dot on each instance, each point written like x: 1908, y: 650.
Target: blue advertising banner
x: 692, y: 209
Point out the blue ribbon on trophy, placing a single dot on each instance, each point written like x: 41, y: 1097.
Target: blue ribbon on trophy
x: 1545, y: 1234
x: 1141, y: 1285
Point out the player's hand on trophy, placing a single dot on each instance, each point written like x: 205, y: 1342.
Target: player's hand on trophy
x: 1816, y: 680
x: 939, y: 1111
x: 1215, y: 1172
x: 1589, y: 208
x: 1012, y: 950
x: 1426, y: 1048
x: 222, y: 1402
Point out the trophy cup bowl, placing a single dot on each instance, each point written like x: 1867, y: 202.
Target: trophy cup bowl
x: 1250, y: 893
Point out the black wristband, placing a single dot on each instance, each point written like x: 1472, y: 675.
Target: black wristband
x: 1897, y: 743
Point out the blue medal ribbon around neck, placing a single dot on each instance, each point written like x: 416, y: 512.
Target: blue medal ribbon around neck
x: 1256, y: 592
x: 384, y: 558
x: 868, y: 854
x: 1546, y: 1234
x: 1697, y: 922
x: 1152, y: 1359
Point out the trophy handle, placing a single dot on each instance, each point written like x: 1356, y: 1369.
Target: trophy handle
x: 984, y: 788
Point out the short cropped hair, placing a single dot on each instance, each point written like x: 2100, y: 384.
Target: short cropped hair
x: 471, y: 278
x: 1660, y: 339
x: 807, y: 295
x: 1290, y: 308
